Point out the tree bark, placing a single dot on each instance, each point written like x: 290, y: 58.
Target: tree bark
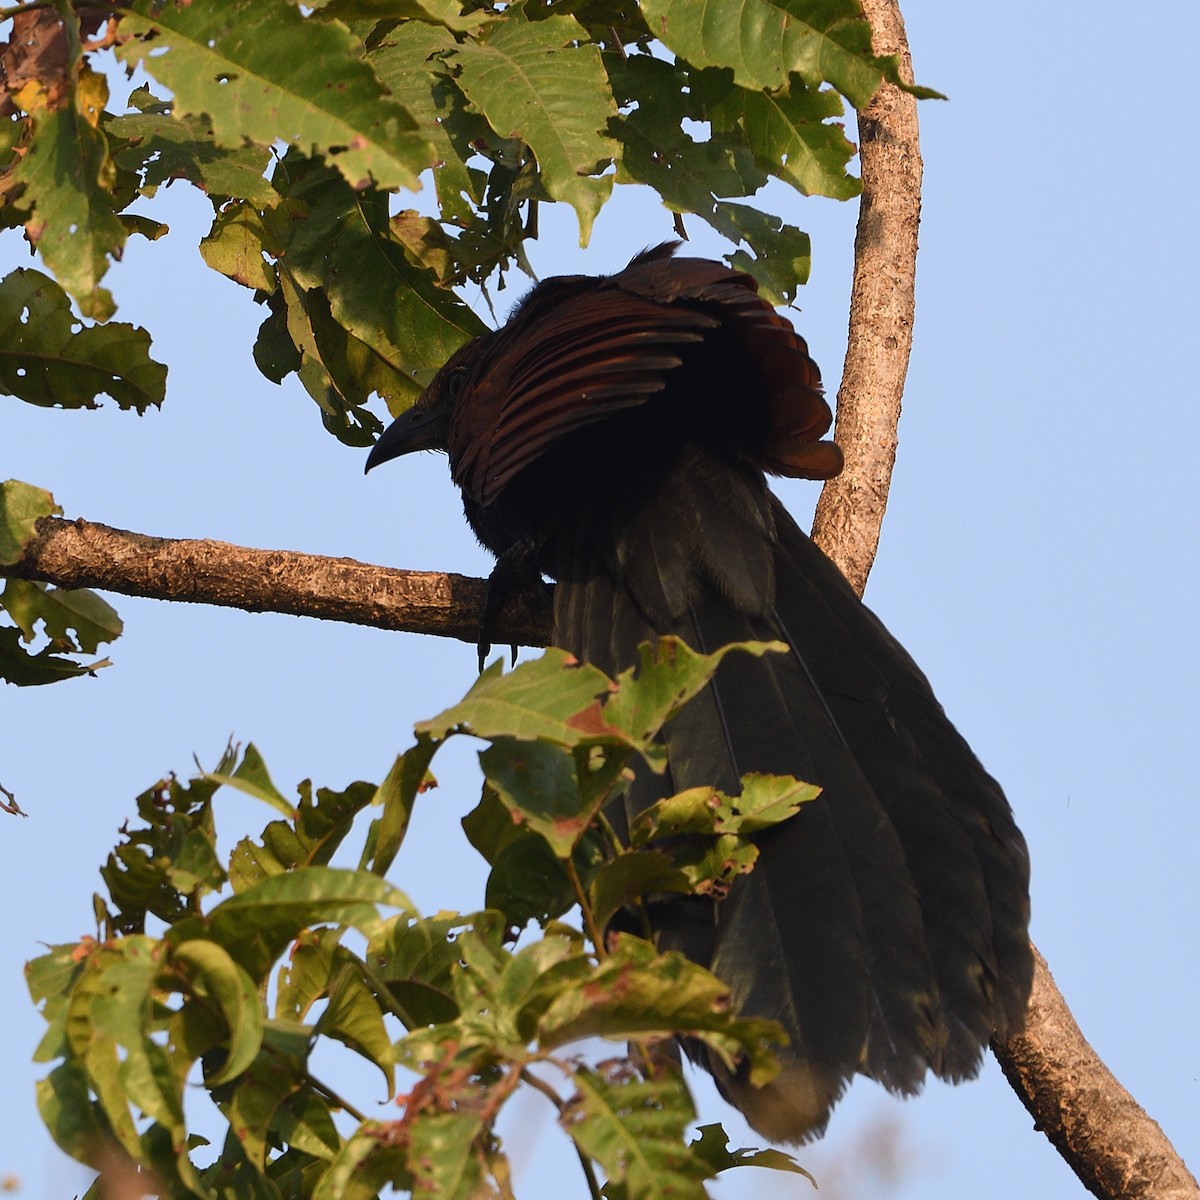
x: 83, y: 554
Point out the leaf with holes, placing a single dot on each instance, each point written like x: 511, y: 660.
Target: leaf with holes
x: 542, y: 82
x: 49, y: 358
x: 264, y: 72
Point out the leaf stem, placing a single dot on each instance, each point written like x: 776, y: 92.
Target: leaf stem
x: 540, y: 1085
x: 589, y: 918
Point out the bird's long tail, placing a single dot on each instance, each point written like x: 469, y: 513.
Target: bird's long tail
x: 885, y: 925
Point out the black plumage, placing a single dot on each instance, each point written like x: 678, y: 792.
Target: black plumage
x: 615, y: 432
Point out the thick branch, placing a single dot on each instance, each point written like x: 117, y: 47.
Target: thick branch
x: 1117, y: 1151
x: 850, y: 511
x: 75, y: 554
x: 1096, y: 1125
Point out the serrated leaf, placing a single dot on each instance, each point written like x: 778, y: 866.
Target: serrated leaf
x: 21, y: 507
x: 634, y: 1128
x: 762, y: 40
x: 214, y: 976
x: 67, y: 178
x: 543, y: 82
x: 48, y: 358
x: 63, y: 612
x: 263, y: 72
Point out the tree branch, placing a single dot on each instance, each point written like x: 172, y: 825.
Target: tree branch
x: 850, y: 511
x: 77, y: 554
x: 1095, y: 1124
x: 1110, y: 1143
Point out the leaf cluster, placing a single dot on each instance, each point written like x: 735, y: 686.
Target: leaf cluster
x: 232, y: 974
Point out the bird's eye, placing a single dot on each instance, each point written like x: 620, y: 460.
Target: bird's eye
x: 456, y: 380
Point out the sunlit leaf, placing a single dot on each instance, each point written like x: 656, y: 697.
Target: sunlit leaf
x: 263, y: 72
x: 541, y: 81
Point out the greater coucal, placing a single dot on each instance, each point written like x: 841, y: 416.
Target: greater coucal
x: 615, y: 432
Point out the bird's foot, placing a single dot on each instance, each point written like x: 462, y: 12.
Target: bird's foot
x: 514, y: 571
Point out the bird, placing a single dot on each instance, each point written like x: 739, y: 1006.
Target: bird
x: 615, y: 435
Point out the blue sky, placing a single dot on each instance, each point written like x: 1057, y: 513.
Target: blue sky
x: 1039, y: 559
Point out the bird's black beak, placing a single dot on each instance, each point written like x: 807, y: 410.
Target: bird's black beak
x: 422, y: 427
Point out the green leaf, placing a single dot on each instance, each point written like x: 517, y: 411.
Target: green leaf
x: 541, y: 699
x: 537, y: 782
x: 256, y: 925
x: 160, y: 146
x: 782, y: 252
x: 19, y: 667
x: 305, y: 977
x: 304, y: 1122
x: 409, y: 64
x: 417, y: 960
x: 354, y: 1018
x: 235, y: 247
x: 636, y: 991
x: 68, y: 176
x: 712, y: 1147
x: 397, y: 793
x: 252, y: 1106
x: 214, y: 976
x: 339, y: 240
x: 21, y: 507
x: 251, y: 776
x: 668, y: 675
x: 263, y: 72
x: 412, y: 12
x: 787, y: 130
x: 62, y: 611
x: 76, y: 1123
x: 442, y: 1158
x: 765, y: 800
x: 543, y: 82
x: 629, y: 877
x: 370, y: 1158
x: 634, y: 1128
x: 528, y: 883
x: 48, y: 358
x: 763, y: 40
